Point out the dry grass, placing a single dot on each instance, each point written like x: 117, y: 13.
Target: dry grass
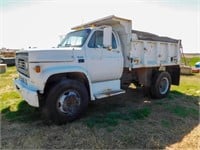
x: 129, y: 121
x: 189, y: 141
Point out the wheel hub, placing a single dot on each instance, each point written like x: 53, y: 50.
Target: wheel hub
x: 69, y: 102
x: 164, y: 85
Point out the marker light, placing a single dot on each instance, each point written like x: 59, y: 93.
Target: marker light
x: 37, y: 69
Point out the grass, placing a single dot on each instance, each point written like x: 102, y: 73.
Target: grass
x: 189, y: 85
x: 8, y: 95
x: 122, y: 122
x: 190, y: 60
x: 182, y: 111
x: 113, y: 118
x: 166, y: 123
x: 22, y: 113
x: 12, y: 106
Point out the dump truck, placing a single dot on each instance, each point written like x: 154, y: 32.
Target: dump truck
x: 96, y: 60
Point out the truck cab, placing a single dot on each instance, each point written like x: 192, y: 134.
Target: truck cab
x: 96, y: 54
x: 96, y: 60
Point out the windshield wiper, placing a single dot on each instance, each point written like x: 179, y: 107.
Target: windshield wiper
x: 68, y: 45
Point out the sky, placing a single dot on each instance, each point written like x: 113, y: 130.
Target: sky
x: 39, y: 23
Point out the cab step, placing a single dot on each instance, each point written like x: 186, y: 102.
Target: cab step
x: 108, y: 94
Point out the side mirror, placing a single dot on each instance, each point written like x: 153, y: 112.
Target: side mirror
x: 107, y: 37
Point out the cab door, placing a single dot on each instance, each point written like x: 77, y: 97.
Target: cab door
x: 103, y: 64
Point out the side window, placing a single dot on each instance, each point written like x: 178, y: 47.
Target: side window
x: 114, y: 43
x: 96, y: 40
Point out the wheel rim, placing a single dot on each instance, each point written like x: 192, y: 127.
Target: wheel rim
x: 164, y: 85
x: 69, y: 102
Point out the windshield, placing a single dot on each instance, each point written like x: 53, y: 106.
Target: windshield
x: 75, y: 39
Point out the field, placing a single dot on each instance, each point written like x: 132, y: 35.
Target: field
x: 125, y: 121
x: 190, y: 59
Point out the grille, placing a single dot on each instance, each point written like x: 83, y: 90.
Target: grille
x: 22, y: 63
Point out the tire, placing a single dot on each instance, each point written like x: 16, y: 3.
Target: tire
x: 161, y: 85
x: 66, y: 101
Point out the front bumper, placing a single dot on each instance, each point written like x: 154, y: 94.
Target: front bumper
x: 29, y: 94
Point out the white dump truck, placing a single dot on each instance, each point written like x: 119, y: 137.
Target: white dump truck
x: 96, y: 60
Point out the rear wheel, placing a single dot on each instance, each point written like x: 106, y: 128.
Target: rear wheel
x: 161, y: 85
x: 66, y: 101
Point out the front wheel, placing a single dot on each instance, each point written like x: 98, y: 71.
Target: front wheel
x: 66, y: 101
x: 161, y: 85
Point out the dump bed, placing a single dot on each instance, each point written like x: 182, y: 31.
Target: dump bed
x: 149, y: 50
x: 141, y: 35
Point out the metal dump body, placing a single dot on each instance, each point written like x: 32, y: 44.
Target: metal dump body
x: 149, y: 50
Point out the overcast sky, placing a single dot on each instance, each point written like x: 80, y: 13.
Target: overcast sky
x: 38, y: 23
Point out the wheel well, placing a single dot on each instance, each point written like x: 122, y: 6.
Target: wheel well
x: 174, y: 72
x: 52, y: 80
x: 144, y: 75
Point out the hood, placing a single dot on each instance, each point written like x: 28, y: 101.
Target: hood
x: 50, y: 55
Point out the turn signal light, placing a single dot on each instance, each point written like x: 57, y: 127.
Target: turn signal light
x: 37, y: 69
